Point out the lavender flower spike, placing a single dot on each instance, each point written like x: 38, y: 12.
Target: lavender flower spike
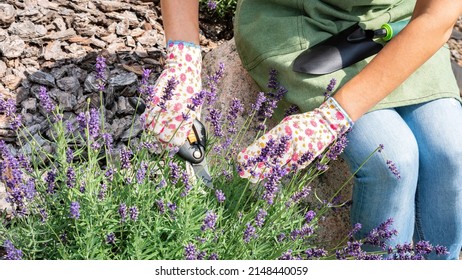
x: 209, y: 221
x: 45, y: 100
x: 75, y: 210
x: 11, y: 252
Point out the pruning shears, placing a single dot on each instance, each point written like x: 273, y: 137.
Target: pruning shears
x: 193, y: 152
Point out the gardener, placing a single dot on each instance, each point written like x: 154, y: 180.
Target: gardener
x: 405, y: 99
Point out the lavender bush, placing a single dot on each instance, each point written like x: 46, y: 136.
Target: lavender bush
x: 88, y: 200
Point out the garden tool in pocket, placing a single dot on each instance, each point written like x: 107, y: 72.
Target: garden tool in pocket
x: 345, y: 48
x: 193, y: 152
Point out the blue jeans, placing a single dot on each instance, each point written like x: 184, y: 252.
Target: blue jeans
x: 425, y: 143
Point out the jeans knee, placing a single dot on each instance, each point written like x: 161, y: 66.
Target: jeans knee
x: 399, y: 167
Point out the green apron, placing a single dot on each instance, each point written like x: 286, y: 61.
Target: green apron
x: 272, y: 33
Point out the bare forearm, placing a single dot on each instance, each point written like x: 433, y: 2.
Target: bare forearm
x: 181, y: 20
x: 428, y: 30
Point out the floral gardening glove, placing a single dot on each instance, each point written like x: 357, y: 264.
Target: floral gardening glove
x: 295, y: 142
x: 170, y: 113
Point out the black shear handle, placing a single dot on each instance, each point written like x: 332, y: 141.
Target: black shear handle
x: 193, y: 150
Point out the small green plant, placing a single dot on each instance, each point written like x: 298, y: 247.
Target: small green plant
x: 221, y: 7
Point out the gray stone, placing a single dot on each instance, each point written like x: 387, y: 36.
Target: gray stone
x: 123, y: 79
x: 2, y: 69
x: 29, y: 105
x: 133, y: 131
x: 7, y: 14
x: 69, y: 84
x: 27, y: 29
x: 123, y: 107
x: 66, y: 100
x: 12, y: 46
x: 42, y: 78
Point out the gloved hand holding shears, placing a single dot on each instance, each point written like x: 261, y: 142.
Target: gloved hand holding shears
x: 168, y: 115
x: 304, y: 136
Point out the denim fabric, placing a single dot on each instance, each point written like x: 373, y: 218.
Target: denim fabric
x: 425, y: 143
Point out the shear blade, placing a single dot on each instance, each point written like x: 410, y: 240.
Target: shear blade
x: 201, y: 170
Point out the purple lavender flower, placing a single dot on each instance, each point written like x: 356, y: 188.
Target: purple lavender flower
x: 133, y: 213
x: 259, y: 102
x: 351, y: 250
x: 141, y: 173
x: 11, y: 252
x: 197, y: 100
x: 74, y: 210
x: 108, y: 140
x: 213, y: 256
x: 293, y: 109
x: 101, y: 72
x: 381, y: 147
x: 190, y: 252
x: 45, y: 100
x: 441, y: 250
x: 209, y: 221
x: 8, y: 107
x: 123, y: 212
x: 356, y: 228
x: 272, y: 182
x: 50, y: 179
x: 93, y: 124
x: 212, y: 81
x: 216, y: 121
x: 168, y: 93
x: 16, y: 122
x: 82, y: 187
x: 330, y: 88
x: 125, y: 156
x: 423, y: 247
x: 212, y: 5
x: 296, y: 197
x: 281, y: 237
x: 303, y: 232
x: 43, y: 214
x: 171, y: 207
x: 337, y: 148
x: 315, y: 253
x: 160, y: 206
x: 69, y: 126
x: 260, y: 217
x: 161, y: 184
x: 144, y: 84
x: 220, y: 196
x: 82, y: 119
x: 70, y: 177
x: 392, y: 166
x: 273, y: 81
x: 69, y: 155
x: 186, y: 183
x: 235, y: 108
x: 109, y: 174
x: 174, y: 172
x: 102, y: 191
x: 110, y: 238
x: 380, y: 234
x: 309, y: 216
x: 249, y: 233
x: 63, y: 237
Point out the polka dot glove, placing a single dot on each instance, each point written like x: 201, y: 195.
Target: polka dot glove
x: 295, y: 142
x: 170, y: 113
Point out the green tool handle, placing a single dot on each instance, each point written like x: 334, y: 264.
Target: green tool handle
x: 389, y: 30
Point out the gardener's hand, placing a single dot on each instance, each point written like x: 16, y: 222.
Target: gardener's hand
x: 295, y: 142
x: 168, y: 115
